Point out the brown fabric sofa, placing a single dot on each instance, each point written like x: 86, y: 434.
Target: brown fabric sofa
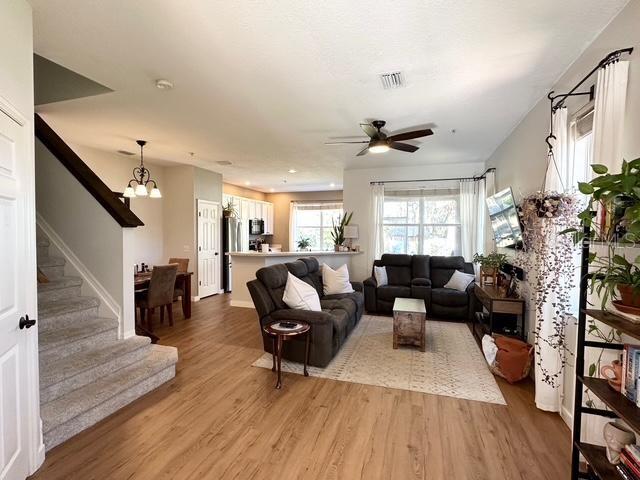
x: 329, y: 328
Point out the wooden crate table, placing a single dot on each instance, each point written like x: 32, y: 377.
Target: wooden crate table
x: 409, y: 317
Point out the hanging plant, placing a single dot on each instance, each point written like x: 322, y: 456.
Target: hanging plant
x: 549, y: 259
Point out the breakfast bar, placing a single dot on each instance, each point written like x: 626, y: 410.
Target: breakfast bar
x: 245, y: 265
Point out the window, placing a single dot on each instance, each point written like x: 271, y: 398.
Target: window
x: 314, y: 221
x: 422, y: 222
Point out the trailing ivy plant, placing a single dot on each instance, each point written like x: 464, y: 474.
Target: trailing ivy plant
x: 548, y: 259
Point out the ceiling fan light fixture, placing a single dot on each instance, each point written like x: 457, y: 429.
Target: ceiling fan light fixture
x: 378, y: 146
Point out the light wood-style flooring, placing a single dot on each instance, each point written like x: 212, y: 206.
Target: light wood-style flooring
x: 220, y: 418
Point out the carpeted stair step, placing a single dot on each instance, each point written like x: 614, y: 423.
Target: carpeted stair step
x: 70, y: 414
x: 61, y: 342
x: 52, y: 267
x: 62, y: 376
x: 65, y: 312
x: 42, y: 245
x: 59, y: 288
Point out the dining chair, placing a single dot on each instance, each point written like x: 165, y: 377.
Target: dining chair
x: 183, y: 267
x: 158, y: 295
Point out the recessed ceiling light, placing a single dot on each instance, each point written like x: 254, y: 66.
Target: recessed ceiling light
x: 272, y: 190
x: 291, y: 170
x: 247, y: 182
x: 163, y: 84
x: 332, y: 185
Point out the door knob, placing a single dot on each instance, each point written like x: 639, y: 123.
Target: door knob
x: 25, y: 322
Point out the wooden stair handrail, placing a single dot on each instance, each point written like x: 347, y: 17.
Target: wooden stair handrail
x: 87, y: 178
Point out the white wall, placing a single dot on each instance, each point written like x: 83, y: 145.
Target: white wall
x: 116, y: 171
x: 520, y: 160
x: 16, y: 56
x: 355, y: 196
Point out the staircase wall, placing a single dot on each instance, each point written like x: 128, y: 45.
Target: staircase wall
x: 101, y: 247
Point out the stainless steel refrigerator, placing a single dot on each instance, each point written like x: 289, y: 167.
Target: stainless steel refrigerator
x: 231, y: 242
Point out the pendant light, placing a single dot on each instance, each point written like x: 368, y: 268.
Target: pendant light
x: 137, y: 186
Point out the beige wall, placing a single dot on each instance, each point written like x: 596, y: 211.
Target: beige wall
x: 520, y: 160
x: 230, y: 189
x: 281, y: 209
x: 116, y: 171
x: 179, y: 216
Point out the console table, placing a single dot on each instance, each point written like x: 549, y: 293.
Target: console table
x: 502, y: 315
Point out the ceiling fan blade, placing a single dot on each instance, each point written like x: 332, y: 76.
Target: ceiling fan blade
x: 369, y: 130
x: 363, y: 151
x: 344, y: 143
x: 410, y: 135
x: 405, y: 147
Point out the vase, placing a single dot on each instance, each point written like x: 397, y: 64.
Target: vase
x: 615, y: 378
x: 616, y: 437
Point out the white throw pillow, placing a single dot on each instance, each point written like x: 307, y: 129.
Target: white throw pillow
x: 380, y: 273
x: 299, y: 295
x: 335, y: 281
x: 460, y: 281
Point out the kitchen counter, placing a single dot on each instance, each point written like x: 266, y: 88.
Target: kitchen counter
x: 245, y: 264
x: 289, y: 254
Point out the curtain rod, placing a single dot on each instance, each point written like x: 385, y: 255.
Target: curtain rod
x: 479, y: 177
x: 610, y: 58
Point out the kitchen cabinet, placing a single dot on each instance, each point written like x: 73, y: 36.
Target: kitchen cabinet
x: 249, y: 209
x: 268, y: 218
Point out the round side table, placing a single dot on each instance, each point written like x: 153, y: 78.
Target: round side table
x: 281, y: 334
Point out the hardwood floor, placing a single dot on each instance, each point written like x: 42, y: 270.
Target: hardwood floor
x: 220, y: 418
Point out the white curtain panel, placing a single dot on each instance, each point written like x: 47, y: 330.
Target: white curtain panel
x: 609, y: 110
x: 472, y: 216
x: 558, y: 171
x: 376, y: 237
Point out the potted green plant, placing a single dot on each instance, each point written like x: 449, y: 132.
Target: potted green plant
x: 229, y: 209
x: 618, y: 279
x: 490, y: 264
x: 337, y: 230
x: 304, y: 243
x: 619, y: 198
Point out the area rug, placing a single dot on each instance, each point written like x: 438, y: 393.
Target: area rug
x: 452, y: 364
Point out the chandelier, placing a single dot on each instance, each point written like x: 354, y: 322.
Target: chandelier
x: 137, y: 186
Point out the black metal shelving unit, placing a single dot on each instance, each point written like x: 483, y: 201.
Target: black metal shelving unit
x: 598, y: 467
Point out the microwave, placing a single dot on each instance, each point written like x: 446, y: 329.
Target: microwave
x: 256, y: 226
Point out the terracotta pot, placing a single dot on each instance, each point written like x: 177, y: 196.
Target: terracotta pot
x: 629, y: 295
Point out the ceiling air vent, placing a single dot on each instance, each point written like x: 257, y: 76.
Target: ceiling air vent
x: 392, y: 80
x: 223, y: 162
x: 125, y: 152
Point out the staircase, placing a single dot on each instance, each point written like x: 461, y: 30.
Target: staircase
x: 86, y: 372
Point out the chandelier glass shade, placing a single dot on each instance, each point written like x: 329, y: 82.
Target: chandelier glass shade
x: 139, y: 185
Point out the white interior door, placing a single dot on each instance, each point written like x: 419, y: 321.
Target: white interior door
x: 19, y: 401
x: 209, y: 248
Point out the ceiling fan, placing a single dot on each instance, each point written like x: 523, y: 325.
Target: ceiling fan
x: 380, y: 142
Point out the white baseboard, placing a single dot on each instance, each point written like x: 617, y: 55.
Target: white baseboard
x: 242, y: 304
x: 567, y: 416
x: 108, y: 305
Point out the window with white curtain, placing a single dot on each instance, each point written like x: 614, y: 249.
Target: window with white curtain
x: 312, y: 220
x: 422, y: 222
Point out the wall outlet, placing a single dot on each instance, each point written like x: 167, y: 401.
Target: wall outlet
x: 186, y: 248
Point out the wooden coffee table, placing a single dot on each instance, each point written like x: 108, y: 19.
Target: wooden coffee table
x: 409, y: 318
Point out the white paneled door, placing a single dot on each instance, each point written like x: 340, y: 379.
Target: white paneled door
x: 19, y: 409
x: 209, y: 248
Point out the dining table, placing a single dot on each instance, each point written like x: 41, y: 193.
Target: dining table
x: 183, y: 281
